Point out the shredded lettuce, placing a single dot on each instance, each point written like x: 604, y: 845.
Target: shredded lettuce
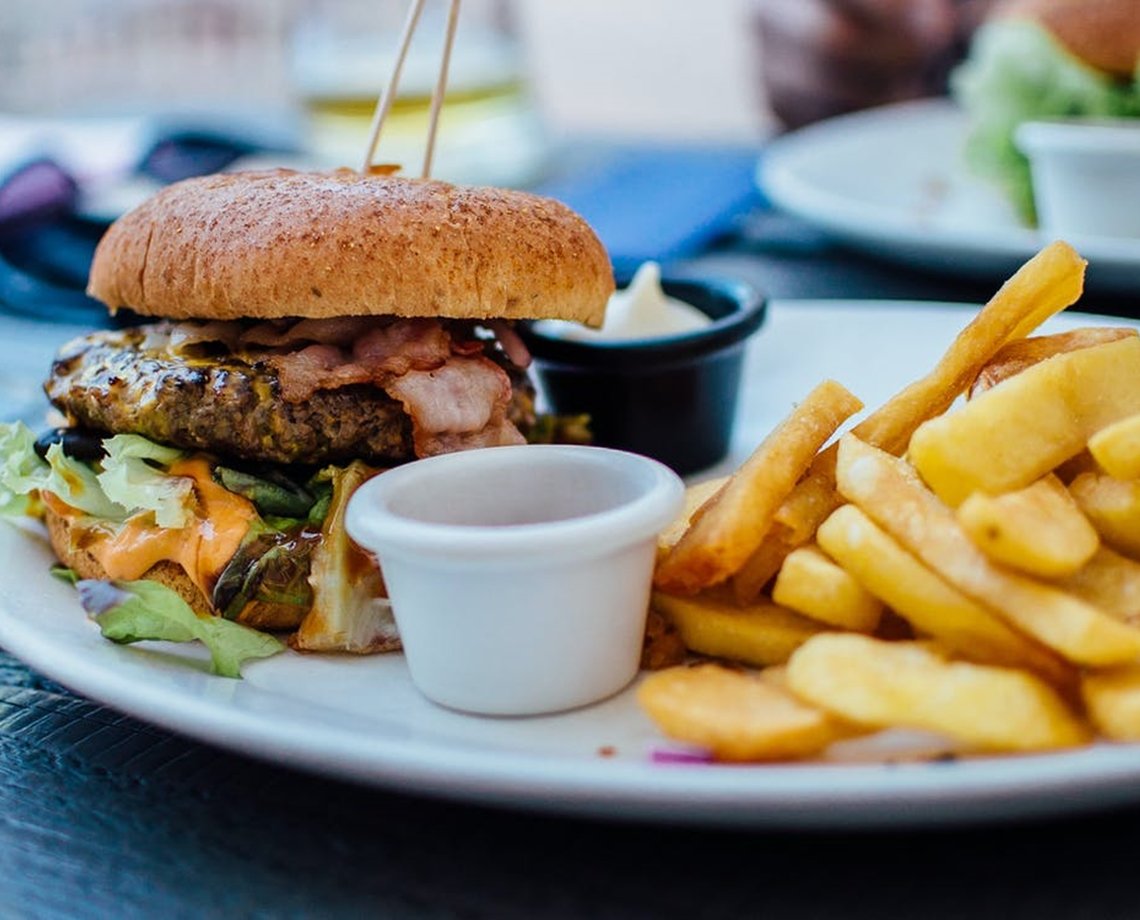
x: 19, y: 467
x: 129, y: 479
x: 134, y: 611
x: 22, y: 471
x: 133, y: 476
x: 1017, y: 72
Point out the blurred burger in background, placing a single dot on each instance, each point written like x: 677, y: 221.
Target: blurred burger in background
x: 1044, y: 59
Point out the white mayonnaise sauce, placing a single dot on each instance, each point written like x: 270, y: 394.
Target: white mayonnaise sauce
x: 641, y: 310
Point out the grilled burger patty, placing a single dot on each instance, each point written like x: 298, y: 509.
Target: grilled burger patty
x: 108, y: 382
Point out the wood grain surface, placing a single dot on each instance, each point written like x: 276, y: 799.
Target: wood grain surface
x: 102, y: 816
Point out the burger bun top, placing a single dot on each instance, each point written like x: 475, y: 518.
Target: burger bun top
x: 265, y: 245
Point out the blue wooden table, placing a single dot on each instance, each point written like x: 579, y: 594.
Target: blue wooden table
x: 101, y: 816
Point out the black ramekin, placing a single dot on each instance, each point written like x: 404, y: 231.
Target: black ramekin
x: 673, y: 397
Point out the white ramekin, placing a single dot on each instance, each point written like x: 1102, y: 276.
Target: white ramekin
x: 519, y: 576
x: 1086, y: 175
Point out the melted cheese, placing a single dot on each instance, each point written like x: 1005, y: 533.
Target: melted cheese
x: 202, y: 548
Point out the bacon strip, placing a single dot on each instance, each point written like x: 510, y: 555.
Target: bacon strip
x: 456, y: 397
x: 458, y: 406
x: 341, y: 331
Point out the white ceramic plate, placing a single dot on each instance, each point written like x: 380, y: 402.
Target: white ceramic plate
x: 892, y: 182
x: 360, y: 718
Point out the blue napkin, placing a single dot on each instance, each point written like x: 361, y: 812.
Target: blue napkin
x: 661, y: 203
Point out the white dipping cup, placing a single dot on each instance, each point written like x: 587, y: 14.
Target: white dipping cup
x: 519, y: 576
x: 1086, y: 176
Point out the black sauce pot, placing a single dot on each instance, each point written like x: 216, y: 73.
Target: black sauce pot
x: 673, y: 397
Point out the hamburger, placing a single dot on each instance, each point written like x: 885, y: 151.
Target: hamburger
x: 300, y: 332
x: 1041, y: 59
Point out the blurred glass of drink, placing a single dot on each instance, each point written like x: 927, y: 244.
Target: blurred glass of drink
x: 343, y: 51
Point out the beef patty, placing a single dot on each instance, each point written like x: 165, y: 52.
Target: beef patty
x: 109, y: 382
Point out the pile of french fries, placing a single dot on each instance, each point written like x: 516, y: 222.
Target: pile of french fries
x: 968, y: 570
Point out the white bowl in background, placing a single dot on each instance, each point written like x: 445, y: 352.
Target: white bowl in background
x: 1086, y: 175
x: 519, y: 576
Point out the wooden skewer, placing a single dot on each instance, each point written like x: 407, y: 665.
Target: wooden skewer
x: 440, y: 90
x: 389, y: 95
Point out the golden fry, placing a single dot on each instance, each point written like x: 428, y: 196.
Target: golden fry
x: 888, y: 490
x: 1109, y: 581
x: 1039, y: 530
x: 907, y: 685
x: 763, y: 564
x: 759, y: 635
x: 1113, y: 507
x: 1016, y: 356
x: 736, y: 716
x: 1117, y: 448
x: 695, y: 498
x: 1112, y: 699
x: 1015, y: 433
x: 728, y: 528
x: 1045, y: 285
x: 811, y: 584
x: 931, y: 605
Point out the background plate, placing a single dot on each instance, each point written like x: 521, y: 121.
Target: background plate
x: 892, y: 182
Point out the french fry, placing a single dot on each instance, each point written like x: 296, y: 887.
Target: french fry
x: 759, y: 635
x: 736, y: 716
x: 1113, y: 507
x: 1017, y: 432
x: 1039, y: 530
x: 695, y: 498
x: 1044, y: 285
x: 890, y: 493
x: 907, y: 685
x: 1016, y: 356
x: 811, y: 584
x: 728, y: 528
x: 931, y: 605
x: 1050, y: 281
x: 1112, y: 699
x: 762, y: 566
x: 1109, y: 581
x: 1117, y: 448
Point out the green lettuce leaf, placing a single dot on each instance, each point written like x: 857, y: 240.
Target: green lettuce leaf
x: 133, y: 476
x: 22, y: 471
x: 133, y: 611
x: 130, y: 478
x: 20, y: 467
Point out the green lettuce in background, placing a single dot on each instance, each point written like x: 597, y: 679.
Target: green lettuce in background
x: 1018, y: 72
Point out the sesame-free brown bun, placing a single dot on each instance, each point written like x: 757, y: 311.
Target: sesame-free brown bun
x: 282, y: 243
x: 70, y: 553
x: 1105, y: 34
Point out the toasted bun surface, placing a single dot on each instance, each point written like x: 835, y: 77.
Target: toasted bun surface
x: 282, y: 243
x: 1105, y: 34
x: 80, y: 561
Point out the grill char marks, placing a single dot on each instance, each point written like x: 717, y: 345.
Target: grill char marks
x: 225, y: 406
